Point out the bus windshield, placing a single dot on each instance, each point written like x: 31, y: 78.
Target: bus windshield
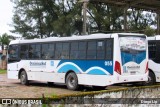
x: 13, y: 53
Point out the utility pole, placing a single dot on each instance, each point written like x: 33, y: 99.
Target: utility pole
x: 125, y: 19
x: 85, y: 2
x: 158, y: 23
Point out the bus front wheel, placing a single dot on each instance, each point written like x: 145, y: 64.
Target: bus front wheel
x: 24, y: 78
x: 72, y: 81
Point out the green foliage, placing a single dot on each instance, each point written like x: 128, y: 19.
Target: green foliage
x: 4, y: 39
x: 149, y: 31
x: 47, y: 18
x: 3, y: 71
x: 138, y: 20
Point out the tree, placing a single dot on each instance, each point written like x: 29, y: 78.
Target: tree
x: 139, y: 20
x: 45, y: 18
x: 4, y: 40
x: 149, y: 31
x: 28, y: 18
x: 105, y: 18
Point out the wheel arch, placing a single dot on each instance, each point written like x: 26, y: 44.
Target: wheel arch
x: 68, y: 73
x: 22, y: 69
x: 152, y: 73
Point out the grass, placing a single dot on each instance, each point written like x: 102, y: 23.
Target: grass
x: 3, y: 71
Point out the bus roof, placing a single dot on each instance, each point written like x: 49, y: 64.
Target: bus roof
x: 74, y: 37
x: 156, y: 37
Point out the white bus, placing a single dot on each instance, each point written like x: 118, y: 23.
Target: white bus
x: 154, y: 59
x: 96, y: 60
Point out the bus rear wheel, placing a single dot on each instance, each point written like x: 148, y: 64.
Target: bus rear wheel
x: 151, y: 79
x: 24, y: 78
x: 72, y: 81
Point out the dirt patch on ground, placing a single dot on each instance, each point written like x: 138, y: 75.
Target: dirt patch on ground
x: 10, y: 88
x: 13, y: 89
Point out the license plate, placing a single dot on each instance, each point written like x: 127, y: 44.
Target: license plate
x: 133, y: 72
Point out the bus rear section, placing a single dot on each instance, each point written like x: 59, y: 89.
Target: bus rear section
x: 133, y: 65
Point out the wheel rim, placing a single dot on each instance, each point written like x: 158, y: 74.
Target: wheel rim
x: 71, y: 81
x: 149, y: 79
x: 22, y: 78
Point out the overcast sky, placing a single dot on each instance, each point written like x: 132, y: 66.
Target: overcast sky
x: 5, y: 16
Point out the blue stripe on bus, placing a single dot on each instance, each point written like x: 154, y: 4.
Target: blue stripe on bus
x: 97, y: 72
x: 85, y: 66
x: 128, y: 57
x: 68, y: 67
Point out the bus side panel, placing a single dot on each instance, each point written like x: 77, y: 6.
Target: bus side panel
x: 47, y: 76
x: 155, y: 67
x: 154, y: 57
x: 12, y: 74
x: 95, y: 80
x: 43, y: 70
x: 89, y: 72
x: 12, y: 70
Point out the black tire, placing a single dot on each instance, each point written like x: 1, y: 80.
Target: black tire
x: 24, y: 78
x: 72, y: 81
x: 151, y: 79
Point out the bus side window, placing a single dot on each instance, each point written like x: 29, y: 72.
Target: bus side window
x: 51, y: 51
x: 82, y: 50
x: 74, y: 50
x: 24, y: 51
x: 109, y: 49
x: 34, y: 51
x: 91, y: 50
x: 152, y: 50
x: 157, y: 60
x: 31, y: 51
x: 47, y: 51
x: 58, y: 51
x: 44, y: 51
x: 37, y: 52
x: 100, y: 50
x: 65, y: 51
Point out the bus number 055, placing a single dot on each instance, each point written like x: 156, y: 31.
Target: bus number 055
x: 108, y: 63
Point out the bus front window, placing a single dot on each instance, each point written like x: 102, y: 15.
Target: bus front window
x: 13, y: 53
